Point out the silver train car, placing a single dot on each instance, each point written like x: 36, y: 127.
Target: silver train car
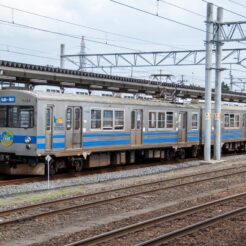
x: 79, y: 131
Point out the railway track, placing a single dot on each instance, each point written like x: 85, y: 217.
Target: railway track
x: 87, y: 172
x: 20, y: 181
x: 81, y: 202
x: 171, y: 218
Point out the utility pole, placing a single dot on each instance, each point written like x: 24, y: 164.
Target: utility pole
x: 208, y: 74
x: 62, y: 53
x: 231, y: 79
x: 217, y: 115
x: 82, y: 63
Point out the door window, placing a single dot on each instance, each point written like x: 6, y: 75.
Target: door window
x: 69, y: 118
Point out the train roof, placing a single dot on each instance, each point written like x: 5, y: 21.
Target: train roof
x: 104, y: 99
x: 97, y: 99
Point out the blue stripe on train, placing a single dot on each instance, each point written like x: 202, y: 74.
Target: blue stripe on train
x: 159, y: 140
x: 106, y: 143
x: 21, y: 139
x: 159, y: 133
x: 92, y: 135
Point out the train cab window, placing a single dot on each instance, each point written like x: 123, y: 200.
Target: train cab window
x: 108, y: 119
x: 152, y: 119
x: 161, y: 120
x: 96, y: 119
x: 133, y: 117
x: 26, y: 117
x: 69, y: 118
x: 3, y: 116
x: 13, y: 117
x: 77, y: 118
x: 119, y: 120
x: 194, y: 121
x: 169, y: 120
x: 16, y: 116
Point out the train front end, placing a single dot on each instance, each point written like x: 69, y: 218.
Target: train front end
x: 18, y: 132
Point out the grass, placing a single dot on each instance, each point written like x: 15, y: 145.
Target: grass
x: 27, y: 198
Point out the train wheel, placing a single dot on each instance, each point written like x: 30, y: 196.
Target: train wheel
x: 78, y: 165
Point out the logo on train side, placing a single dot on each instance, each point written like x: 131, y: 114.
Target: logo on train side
x: 7, y: 138
x: 58, y: 123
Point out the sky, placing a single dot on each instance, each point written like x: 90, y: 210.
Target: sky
x: 100, y: 20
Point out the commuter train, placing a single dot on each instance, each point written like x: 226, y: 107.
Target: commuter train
x: 76, y: 131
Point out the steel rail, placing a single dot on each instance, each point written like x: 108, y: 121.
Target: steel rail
x: 105, y: 201
x: 147, y: 223
x: 115, y: 190
x: 193, y: 228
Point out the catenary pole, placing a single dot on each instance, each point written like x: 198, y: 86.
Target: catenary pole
x: 208, y: 74
x: 62, y: 53
x: 217, y: 116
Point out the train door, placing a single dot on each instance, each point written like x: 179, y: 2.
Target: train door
x: 49, y: 128
x: 73, y: 127
x: 69, y: 128
x: 77, y: 127
x: 136, y: 126
x: 182, y: 127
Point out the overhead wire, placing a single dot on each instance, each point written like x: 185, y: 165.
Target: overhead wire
x: 63, y: 34
x: 28, y: 54
x: 179, y: 7
x: 237, y: 3
x: 159, y: 16
x: 227, y: 10
x: 84, y: 26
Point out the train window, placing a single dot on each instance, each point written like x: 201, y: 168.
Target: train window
x: 236, y: 120
x: 69, y: 118
x: 16, y: 116
x: 161, y: 120
x: 231, y: 120
x: 3, y: 116
x: 169, y: 120
x: 139, y: 119
x: 95, y: 119
x: 26, y: 117
x: 133, y: 120
x: 13, y: 117
x: 108, y: 119
x: 77, y: 118
x: 226, y: 120
x: 194, y: 121
x: 48, y: 119
x: 244, y: 120
x: 152, y: 119
x: 119, y: 120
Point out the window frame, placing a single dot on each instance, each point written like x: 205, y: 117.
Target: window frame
x: 197, y: 121
x: 18, y: 115
x: 165, y: 120
x: 102, y: 112
x: 230, y: 116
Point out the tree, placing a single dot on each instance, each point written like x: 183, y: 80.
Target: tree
x: 224, y: 87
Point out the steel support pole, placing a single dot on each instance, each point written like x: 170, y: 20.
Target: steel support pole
x: 208, y: 74
x: 217, y: 115
x: 62, y: 53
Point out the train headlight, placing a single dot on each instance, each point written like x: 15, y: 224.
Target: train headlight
x: 28, y: 140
